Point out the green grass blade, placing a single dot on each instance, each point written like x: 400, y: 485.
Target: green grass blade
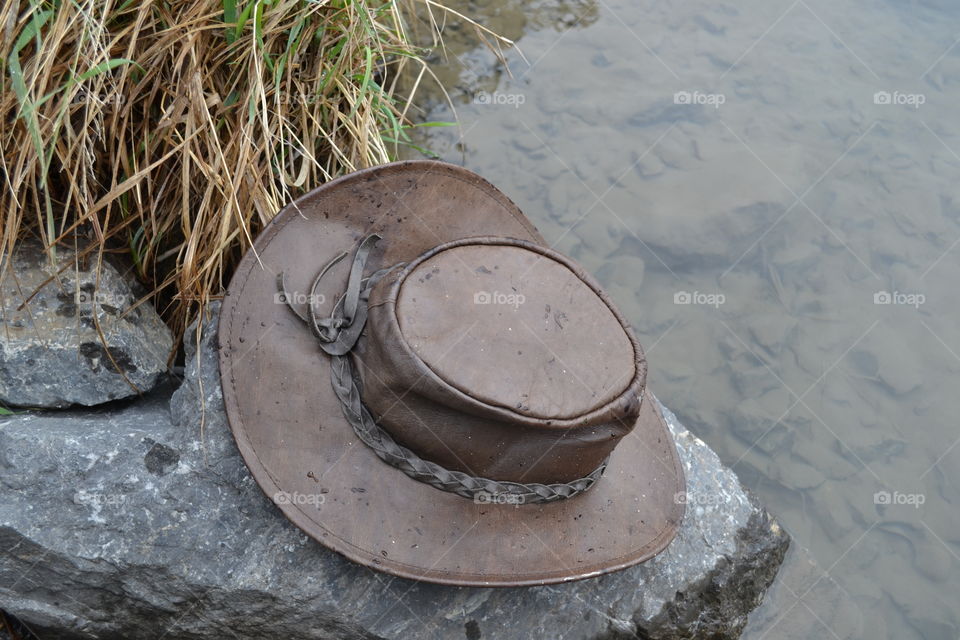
x: 230, y: 18
x: 365, y: 83
x: 424, y: 151
x: 243, y: 18
x: 103, y: 67
x: 31, y: 30
x: 27, y: 107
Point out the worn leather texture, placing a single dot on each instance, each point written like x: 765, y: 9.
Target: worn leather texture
x: 517, y: 395
x: 290, y: 428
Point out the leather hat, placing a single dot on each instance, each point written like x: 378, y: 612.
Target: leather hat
x: 421, y: 384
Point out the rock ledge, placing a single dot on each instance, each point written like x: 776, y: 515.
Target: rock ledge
x: 134, y: 522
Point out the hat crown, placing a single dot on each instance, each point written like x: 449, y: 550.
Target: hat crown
x: 515, y: 328
x: 482, y: 410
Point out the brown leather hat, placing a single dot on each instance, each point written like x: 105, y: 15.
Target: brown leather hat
x: 455, y: 402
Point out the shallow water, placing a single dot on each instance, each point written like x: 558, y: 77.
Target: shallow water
x: 769, y: 192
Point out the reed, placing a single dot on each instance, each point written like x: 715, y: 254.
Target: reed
x: 172, y: 130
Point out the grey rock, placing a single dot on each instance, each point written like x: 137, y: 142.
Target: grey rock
x: 51, y: 354
x: 140, y: 521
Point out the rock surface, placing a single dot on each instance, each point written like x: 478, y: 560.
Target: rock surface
x: 142, y: 520
x: 51, y: 354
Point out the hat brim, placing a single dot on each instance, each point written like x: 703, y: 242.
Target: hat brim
x: 291, y: 432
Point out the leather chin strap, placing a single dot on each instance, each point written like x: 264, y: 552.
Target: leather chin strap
x: 338, y: 333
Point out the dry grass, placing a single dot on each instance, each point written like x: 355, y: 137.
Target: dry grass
x: 172, y: 130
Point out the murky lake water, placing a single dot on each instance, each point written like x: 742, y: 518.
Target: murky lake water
x: 770, y: 192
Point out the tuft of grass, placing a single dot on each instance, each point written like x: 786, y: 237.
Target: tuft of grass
x: 173, y: 131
